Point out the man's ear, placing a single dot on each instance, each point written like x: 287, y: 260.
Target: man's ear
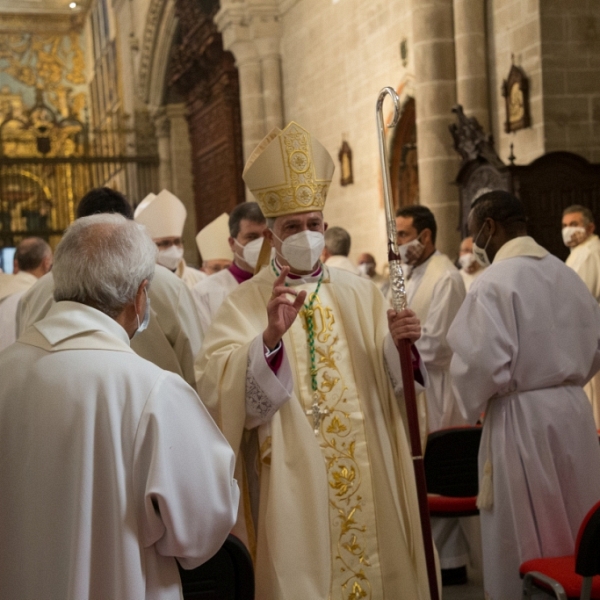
x: 325, y: 226
x: 140, y: 297
x: 231, y: 243
x: 591, y: 227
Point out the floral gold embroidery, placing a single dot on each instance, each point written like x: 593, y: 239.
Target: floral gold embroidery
x: 339, y: 432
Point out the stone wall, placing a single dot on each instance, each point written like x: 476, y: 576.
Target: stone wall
x: 570, y: 34
x: 336, y: 57
x: 514, y: 30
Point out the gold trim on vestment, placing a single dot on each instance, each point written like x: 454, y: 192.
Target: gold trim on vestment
x: 341, y: 433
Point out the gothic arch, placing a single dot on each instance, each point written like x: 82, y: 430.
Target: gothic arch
x: 161, y: 25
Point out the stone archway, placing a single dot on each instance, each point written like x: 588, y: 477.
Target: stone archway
x: 205, y: 75
x: 404, y: 161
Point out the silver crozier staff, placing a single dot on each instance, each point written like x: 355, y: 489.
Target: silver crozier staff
x: 406, y: 364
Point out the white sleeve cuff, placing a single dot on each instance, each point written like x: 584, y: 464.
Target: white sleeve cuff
x: 266, y: 391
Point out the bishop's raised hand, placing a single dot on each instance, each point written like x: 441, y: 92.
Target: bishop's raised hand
x: 281, y: 310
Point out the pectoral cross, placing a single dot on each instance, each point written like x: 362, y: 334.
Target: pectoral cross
x: 317, y: 415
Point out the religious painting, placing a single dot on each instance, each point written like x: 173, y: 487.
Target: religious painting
x: 345, y: 156
x: 515, y: 90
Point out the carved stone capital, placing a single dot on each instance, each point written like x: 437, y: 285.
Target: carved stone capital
x: 250, y: 29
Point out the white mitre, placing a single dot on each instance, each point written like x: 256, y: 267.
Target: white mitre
x: 163, y: 216
x: 212, y: 240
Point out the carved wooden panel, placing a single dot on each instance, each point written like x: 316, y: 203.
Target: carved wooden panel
x: 207, y: 78
x: 404, y: 170
x: 549, y: 185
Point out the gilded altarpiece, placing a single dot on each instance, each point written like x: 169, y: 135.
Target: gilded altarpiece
x: 50, y: 155
x: 206, y: 76
x: 42, y: 102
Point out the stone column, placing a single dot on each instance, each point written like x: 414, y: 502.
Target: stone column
x: 238, y: 39
x: 182, y: 184
x: 162, y: 125
x: 471, y: 68
x: 435, y: 95
x: 267, y: 36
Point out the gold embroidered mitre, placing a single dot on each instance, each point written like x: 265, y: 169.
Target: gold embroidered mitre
x: 289, y: 172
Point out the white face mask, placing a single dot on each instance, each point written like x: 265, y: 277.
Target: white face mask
x: 411, y: 252
x: 170, y: 257
x: 302, y: 250
x: 568, y: 233
x: 144, y: 324
x: 364, y: 269
x: 480, y: 253
x: 251, y: 251
x: 466, y: 260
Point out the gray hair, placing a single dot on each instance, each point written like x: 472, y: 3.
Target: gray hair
x: 337, y: 241
x: 101, y: 261
x: 586, y: 213
x: 271, y: 222
x: 31, y: 252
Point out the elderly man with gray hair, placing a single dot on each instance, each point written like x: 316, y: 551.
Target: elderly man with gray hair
x: 111, y: 466
x: 337, y: 249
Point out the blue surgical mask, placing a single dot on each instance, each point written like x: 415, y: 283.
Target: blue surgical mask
x: 144, y: 324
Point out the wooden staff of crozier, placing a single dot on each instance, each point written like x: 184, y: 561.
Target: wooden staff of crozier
x: 404, y: 350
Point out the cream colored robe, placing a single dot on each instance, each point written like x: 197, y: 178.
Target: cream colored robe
x: 342, y: 499
x: 189, y: 275
x: 110, y: 467
x: 8, y: 319
x: 11, y: 284
x: 173, y: 337
x: 342, y: 262
x: 209, y: 294
x: 585, y: 261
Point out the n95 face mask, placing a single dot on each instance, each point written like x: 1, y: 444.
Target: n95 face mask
x: 170, y: 257
x: 251, y: 251
x: 302, y: 250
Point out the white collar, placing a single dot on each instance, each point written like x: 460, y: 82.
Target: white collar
x: 67, y: 319
x: 523, y: 245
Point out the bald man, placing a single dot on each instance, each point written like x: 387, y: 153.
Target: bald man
x: 33, y: 259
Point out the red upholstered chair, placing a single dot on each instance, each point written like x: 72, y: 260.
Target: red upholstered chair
x: 451, y: 471
x: 569, y: 577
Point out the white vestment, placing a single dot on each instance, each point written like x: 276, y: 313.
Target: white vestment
x: 342, y: 262
x: 110, y: 467
x: 525, y: 341
x: 173, y: 337
x: 189, y: 275
x: 209, y: 295
x: 8, y: 319
x: 469, y: 278
x: 337, y: 513
x: 11, y: 284
x: 435, y: 292
x: 585, y: 261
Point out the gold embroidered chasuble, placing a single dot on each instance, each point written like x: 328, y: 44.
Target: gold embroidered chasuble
x: 338, y: 516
